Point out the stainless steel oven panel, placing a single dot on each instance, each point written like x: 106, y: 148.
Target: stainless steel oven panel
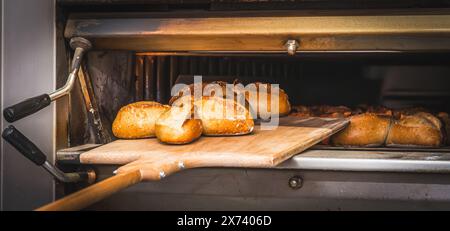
x: 28, y: 69
x: 266, y: 32
x: 268, y: 189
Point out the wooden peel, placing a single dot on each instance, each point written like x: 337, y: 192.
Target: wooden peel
x: 149, y: 160
x: 94, y: 193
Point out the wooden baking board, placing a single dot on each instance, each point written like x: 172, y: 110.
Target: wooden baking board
x: 148, y: 159
x: 262, y: 148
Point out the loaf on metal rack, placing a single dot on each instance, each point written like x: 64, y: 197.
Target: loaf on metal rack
x: 379, y: 126
x: 368, y: 130
x: 445, y: 118
x: 419, y: 129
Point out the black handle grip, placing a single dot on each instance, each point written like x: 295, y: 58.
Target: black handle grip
x: 24, y: 145
x: 26, y: 108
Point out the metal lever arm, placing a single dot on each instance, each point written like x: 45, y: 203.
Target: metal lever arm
x: 35, y: 104
x: 33, y: 153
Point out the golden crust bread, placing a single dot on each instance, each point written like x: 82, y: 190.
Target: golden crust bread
x: 364, y: 130
x: 445, y: 118
x: 178, y: 126
x: 260, y: 100
x: 137, y: 120
x: 419, y: 129
x: 221, y: 116
x: 369, y: 125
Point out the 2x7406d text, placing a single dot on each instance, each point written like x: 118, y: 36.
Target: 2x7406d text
x: 225, y: 221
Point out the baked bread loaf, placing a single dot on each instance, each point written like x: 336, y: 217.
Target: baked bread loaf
x: 261, y: 97
x: 445, y: 118
x: 377, y: 125
x: 137, y: 120
x: 369, y: 130
x: 178, y: 125
x: 221, y: 116
x: 419, y: 129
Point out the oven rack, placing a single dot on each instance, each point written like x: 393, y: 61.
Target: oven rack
x: 326, y: 158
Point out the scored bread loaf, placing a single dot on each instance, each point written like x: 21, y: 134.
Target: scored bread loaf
x: 221, y: 116
x: 260, y: 98
x: 376, y: 126
x: 369, y: 130
x: 419, y: 129
x: 178, y: 125
x: 137, y: 120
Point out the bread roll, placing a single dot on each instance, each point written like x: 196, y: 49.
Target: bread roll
x: 419, y: 129
x: 364, y: 130
x: 137, y: 120
x: 223, y: 117
x: 178, y: 125
x: 260, y: 100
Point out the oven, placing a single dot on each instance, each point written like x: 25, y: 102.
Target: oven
x: 394, y: 54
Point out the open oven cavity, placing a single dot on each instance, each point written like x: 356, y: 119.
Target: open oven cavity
x: 393, y: 81
x: 396, y: 81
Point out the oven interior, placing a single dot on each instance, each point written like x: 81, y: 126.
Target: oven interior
x: 391, y: 80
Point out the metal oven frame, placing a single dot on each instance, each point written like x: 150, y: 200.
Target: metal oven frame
x: 315, y: 180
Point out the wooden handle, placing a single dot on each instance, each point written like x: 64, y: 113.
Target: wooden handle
x: 94, y: 193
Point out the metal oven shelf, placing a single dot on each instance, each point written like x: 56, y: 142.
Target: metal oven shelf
x: 364, y: 160
x: 339, y: 159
